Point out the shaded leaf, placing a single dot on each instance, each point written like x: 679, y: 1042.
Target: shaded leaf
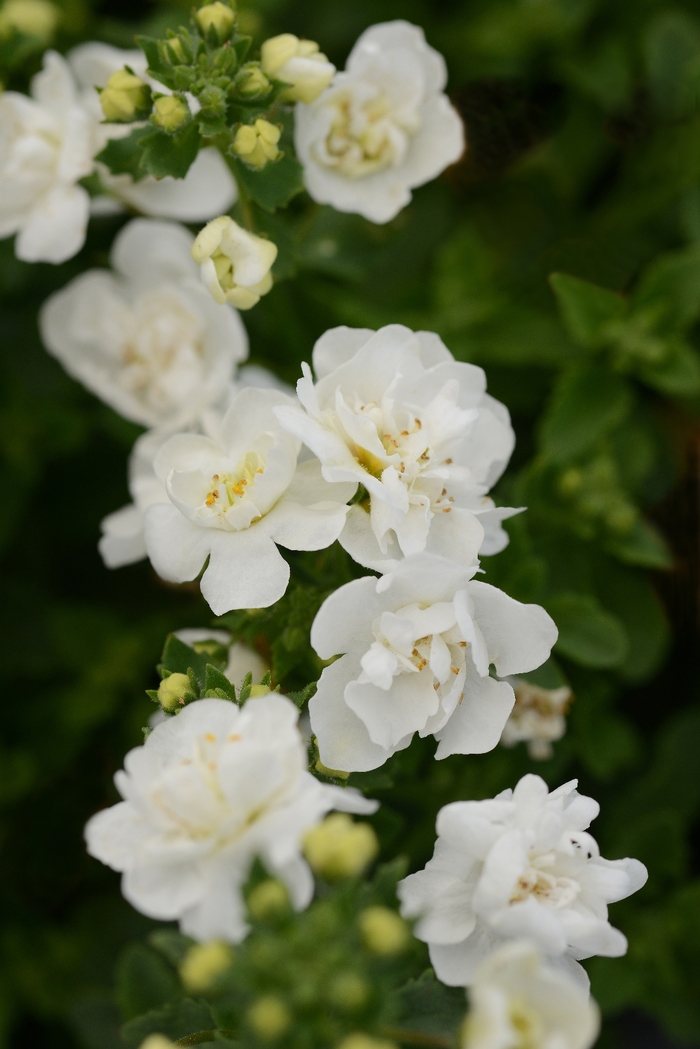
x: 587, y: 633
x: 586, y: 308
x: 587, y: 403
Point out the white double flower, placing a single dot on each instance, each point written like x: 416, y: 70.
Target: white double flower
x: 48, y: 142
x: 519, y: 866
x: 393, y: 411
x: 210, y: 790
x: 383, y: 126
x: 417, y: 645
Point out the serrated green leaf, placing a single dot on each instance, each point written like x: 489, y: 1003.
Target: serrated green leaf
x: 123, y: 155
x: 178, y: 658
x: 215, y: 680
x: 429, y: 1007
x: 144, y: 980
x: 586, y: 308
x: 275, y: 185
x: 587, y: 403
x: 588, y: 634
x: 163, y: 154
x: 159, y: 69
x: 300, y: 698
x: 670, y: 290
x: 175, y: 1021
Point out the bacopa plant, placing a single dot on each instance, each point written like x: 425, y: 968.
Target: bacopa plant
x: 396, y: 636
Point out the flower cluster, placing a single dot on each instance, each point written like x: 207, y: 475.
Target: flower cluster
x: 388, y: 445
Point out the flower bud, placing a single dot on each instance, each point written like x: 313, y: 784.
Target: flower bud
x: 268, y: 898
x: 216, y: 16
x: 383, y: 931
x: 157, y: 1041
x: 173, y: 691
x: 360, y: 1040
x: 339, y: 848
x: 235, y: 264
x: 256, y: 144
x: 298, y: 63
x: 269, y: 1017
x: 31, y: 17
x: 349, y: 992
x: 125, y: 98
x: 251, y: 82
x: 176, y: 50
x: 203, y: 963
x: 170, y: 112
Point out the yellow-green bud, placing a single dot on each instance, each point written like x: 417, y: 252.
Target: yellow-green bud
x: 359, y: 1040
x: 269, y: 1017
x: 570, y: 481
x: 251, y: 82
x: 298, y: 63
x: 157, y: 1041
x: 170, y: 112
x: 268, y: 898
x: 125, y: 97
x: 173, y: 691
x: 339, y: 848
x: 259, y: 690
x: 218, y: 17
x: 349, y: 992
x: 174, y: 45
x: 384, y: 931
x: 31, y: 17
x: 256, y: 144
x: 203, y: 963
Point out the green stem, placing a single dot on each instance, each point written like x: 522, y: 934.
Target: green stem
x: 202, y: 1036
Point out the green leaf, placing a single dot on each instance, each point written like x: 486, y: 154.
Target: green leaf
x: 429, y: 1007
x: 588, y: 402
x: 123, y: 155
x: 643, y: 546
x: 144, y: 980
x: 176, y: 1020
x: 630, y: 596
x: 159, y: 69
x: 275, y: 185
x: 670, y: 289
x: 587, y: 633
x: 300, y: 698
x: 214, y: 679
x: 173, y: 945
x: 586, y: 308
x: 178, y: 658
x: 678, y: 375
x: 173, y: 155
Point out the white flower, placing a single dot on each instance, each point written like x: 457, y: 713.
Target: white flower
x: 210, y: 790
x: 298, y: 63
x: 235, y: 264
x: 147, y: 339
x: 538, y: 718
x: 45, y: 149
x: 418, y: 644
x: 519, y: 1002
x: 233, y: 499
x: 395, y: 412
x: 519, y: 866
x: 383, y: 127
x: 208, y: 188
x: 123, y: 541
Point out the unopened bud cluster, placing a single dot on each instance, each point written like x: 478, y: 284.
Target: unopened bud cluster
x: 125, y: 97
x: 597, y: 498
x: 256, y: 144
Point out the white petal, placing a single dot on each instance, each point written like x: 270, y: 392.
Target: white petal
x: 176, y: 547
x: 336, y: 346
x: 123, y: 541
x: 477, y: 722
x: 246, y: 570
x: 343, y: 740
x: 56, y: 227
x: 343, y: 621
x: 207, y: 190
x: 519, y: 637
x: 392, y: 715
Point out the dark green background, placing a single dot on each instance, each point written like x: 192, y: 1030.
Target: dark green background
x: 584, y: 157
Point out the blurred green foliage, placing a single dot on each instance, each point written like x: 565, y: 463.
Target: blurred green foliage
x: 563, y: 255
